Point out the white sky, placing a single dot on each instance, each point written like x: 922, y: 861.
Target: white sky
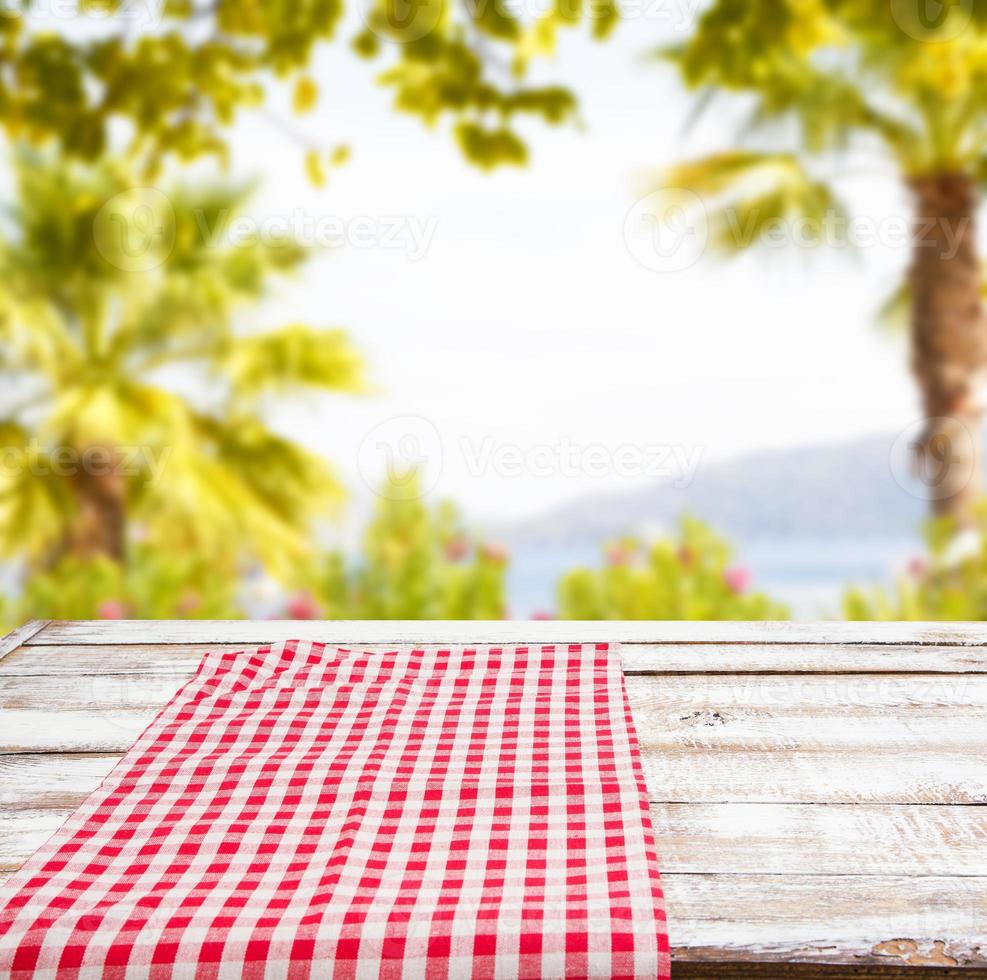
x: 528, y: 321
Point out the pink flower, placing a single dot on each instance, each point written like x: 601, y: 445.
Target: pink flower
x: 111, y: 609
x: 189, y: 602
x: 917, y: 566
x: 618, y: 555
x: 494, y: 552
x: 457, y: 548
x: 542, y: 614
x: 738, y: 579
x: 302, y: 605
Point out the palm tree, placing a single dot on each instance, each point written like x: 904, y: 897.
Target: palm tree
x: 105, y: 290
x: 824, y: 76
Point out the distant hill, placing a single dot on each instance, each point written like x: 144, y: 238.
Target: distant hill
x: 845, y: 490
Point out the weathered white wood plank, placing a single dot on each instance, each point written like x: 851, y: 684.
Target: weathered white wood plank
x: 51, y: 781
x: 736, y: 839
x: 858, y: 921
x: 798, y: 839
x: 20, y: 635
x: 678, y: 767
x: 771, y: 738
x: 759, y: 718
x: 885, y: 922
x: 799, y: 658
x: 498, y: 631
x: 881, y: 920
x: 890, y: 739
x: 106, y: 659
x: 22, y: 832
x: 71, y: 731
x: 895, y: 698
x: 669, y: 658
x: 115, y: 692
x: 817, y: 777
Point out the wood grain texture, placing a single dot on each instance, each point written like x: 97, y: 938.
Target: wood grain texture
x: 55, y: 780
x: 656, y: 658
x: 718, y: 738
x: 106, y: 660
x: 16, y: 637
x: 499, y: 631
x: 894, y: 697
x: 734, y: 839
x: 814, y: 786
x: 807, y: 839
x: 870, y: 775
x: 711, y: 969
x: 880, y: 919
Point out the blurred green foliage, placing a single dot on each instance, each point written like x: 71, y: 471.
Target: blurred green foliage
x: 129, y: 403
x: 109, y: 291
x: 173, y: 75
x: 415, y: 563
x: 686, y: 576
x: 950, y: 583
x: 911, y: 80
x: 817, y: 78
x: 818, y: 87
x: 149, y: 584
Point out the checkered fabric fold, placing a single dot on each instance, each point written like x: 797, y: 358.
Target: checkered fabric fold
x: 300, y: 810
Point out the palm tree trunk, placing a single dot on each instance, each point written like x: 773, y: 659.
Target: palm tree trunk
x: 100, y: 494
x: 948, y: 341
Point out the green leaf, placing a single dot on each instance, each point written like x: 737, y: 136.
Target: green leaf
x: 293, y: 356
x: 748, y: 195
x: 315, y: 168
x: 172, y: 89
x: 306, y: 95
x: 490, y: 148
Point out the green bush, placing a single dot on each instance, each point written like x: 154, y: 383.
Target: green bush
x: 150, y: 585
x: 688, y: 576
x: 415, y: 564
x: 950, y: 583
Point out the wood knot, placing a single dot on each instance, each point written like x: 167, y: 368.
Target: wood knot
x: 708, y: 718
x: 909, y: 951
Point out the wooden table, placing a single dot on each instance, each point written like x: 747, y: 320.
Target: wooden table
x: 818, y: 790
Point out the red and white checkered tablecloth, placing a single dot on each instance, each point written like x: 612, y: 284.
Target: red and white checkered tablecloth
x: 300, y: 811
